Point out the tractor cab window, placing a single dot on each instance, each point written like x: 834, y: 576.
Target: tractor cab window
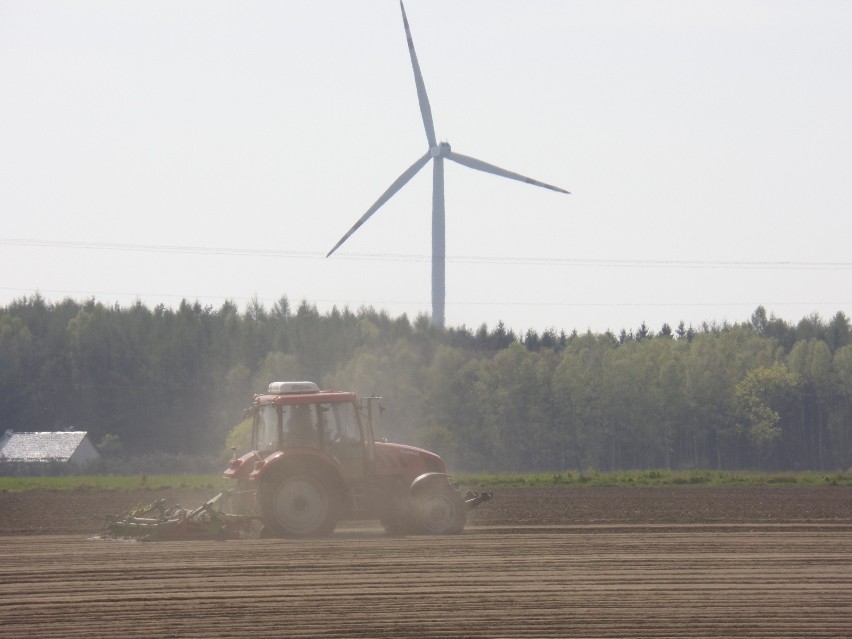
x: 340, y: 423
x: 266, y: 429
x: 342, y: 438
x: 300, y: 426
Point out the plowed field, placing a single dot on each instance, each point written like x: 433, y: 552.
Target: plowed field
x: 690, y: 562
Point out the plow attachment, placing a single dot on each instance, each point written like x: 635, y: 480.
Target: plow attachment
x: 156, y: 522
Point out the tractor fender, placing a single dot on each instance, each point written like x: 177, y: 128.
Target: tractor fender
x: 429, y: 480
x: 242, y: 467
x: 308, y: 461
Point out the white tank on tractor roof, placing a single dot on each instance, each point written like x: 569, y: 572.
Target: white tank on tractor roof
x: 292, y: 388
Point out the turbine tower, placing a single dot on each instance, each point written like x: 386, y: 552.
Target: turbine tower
x: 437, y: 152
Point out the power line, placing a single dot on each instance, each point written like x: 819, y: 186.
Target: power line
x: 155, y: 248
x: 460, y: 259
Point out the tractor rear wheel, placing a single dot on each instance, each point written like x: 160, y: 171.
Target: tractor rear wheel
x: 440, y: 511
x: 298, y: 505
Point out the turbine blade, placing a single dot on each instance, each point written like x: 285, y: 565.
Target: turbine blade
x: 479, y: 165
x: 425, y: 109
x: 393, y: 188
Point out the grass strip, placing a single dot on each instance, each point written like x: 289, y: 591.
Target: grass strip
x: 485, y: 480
x: 115, y: 482
x: 655, y: 478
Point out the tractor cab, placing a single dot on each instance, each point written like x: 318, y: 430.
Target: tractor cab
x: 298, y: 416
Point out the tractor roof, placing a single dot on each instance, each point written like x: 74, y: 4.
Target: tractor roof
x: 319, y: 397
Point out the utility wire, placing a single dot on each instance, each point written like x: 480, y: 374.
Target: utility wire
x: 459, y: 259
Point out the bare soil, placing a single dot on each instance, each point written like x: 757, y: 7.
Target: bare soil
x: 562, y: 562
x: 84, y: 511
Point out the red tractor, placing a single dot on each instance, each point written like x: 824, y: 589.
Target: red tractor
x: 315, y: 461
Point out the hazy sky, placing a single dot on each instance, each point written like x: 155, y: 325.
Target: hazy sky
x: 218, y: 150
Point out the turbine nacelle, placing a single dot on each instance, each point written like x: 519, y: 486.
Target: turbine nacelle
x: 440, y: 150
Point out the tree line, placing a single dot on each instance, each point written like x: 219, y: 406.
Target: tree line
x: 761, y: 394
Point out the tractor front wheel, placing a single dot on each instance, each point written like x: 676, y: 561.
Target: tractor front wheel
x: 298, y: 505
x: 440, y: 511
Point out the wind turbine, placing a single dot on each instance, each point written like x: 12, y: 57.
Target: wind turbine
x: 437, y: 152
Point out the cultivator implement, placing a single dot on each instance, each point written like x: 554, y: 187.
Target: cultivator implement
x: 179, y: 524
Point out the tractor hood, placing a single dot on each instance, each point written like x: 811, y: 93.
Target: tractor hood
x: 411, y: 458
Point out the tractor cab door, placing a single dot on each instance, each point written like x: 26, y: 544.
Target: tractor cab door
x: 343, y: 438
x: 266, y: 429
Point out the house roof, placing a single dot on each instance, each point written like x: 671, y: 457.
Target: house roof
x: 32, y: 447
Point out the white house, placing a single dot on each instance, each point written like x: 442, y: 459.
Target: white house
x: 71, y: 447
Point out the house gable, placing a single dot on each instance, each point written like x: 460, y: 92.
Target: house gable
x: 67, y: 447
